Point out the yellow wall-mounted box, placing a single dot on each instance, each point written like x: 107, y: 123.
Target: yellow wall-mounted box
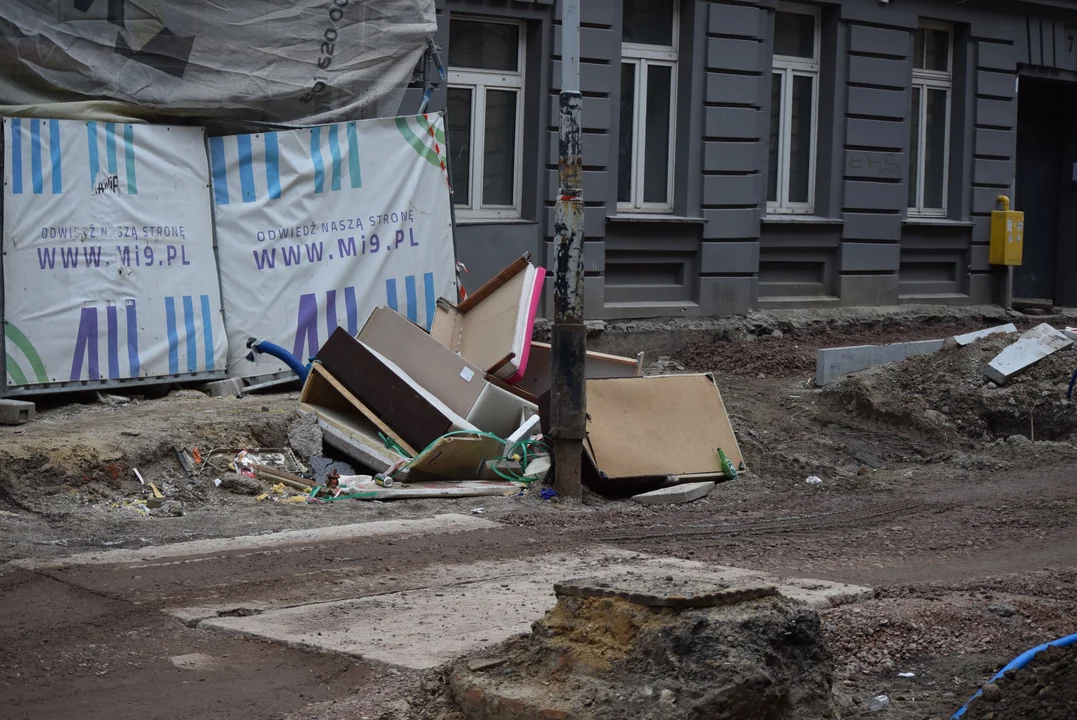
x: 1007, y: 235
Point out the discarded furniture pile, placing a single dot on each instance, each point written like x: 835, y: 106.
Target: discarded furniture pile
x: 459, y: 410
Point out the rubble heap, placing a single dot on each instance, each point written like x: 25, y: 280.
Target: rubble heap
x: 947, y: 393
x: 616, y: 657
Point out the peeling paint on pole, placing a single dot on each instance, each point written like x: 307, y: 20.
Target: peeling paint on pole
x: 568, y: 403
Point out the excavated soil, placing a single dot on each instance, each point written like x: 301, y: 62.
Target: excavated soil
x: 946, y: 394
x: 1045, y: 689
x: 609, y: 658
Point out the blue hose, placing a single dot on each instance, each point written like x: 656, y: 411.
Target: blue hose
x: 264, y: 346
x: 1073, y: 379
x: 1019, y: 662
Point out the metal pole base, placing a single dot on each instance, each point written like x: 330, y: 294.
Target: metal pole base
x: 567, y: 468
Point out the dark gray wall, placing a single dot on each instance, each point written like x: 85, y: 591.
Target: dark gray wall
x: 719, y: 253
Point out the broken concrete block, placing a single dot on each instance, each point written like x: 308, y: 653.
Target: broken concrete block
x: 16, y: 412
x: 537, y: 469
x: 833, y: 363
x: 222, y: 388
x: 676, y: 494
x: 969, y: 338
x: 1033, y: 346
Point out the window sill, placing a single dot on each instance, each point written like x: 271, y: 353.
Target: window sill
x: 493, y: 221
x: 916, y: 221
x: 792, y: 219
x: 655, y: 218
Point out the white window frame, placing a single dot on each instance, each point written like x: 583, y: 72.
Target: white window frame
x: 789, y: 67
x: 642, y: 57
x: 924, y: 80
x: 478, y: 81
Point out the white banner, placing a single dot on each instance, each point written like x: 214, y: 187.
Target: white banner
x: 109, y: 271
x: 316, y: 227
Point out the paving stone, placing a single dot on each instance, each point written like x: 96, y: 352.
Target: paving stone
x: 674, y: 495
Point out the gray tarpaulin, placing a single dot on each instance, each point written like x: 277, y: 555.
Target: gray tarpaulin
x: 277, y: 61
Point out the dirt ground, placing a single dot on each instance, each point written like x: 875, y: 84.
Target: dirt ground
x: 933, y: 492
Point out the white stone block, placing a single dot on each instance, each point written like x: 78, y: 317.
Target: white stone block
x: 1036, y: 344
x: 969, y: 338
x: 677, y: 494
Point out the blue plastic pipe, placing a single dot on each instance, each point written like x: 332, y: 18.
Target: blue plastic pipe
x: 264, y: 346
x: 1073, y: 380
x: 1019, y: 662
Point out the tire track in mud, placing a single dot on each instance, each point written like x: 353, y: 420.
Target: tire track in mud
x: 844, y: 519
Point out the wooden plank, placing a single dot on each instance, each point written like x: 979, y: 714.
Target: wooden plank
x: 474, y: 488
x: 500, y: 363
x: 274, y: 475
x: 320, y: 372
x: 494, y: 283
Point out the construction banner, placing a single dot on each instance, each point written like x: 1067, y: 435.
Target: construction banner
x: 316, y: 227
x: 109, y: 270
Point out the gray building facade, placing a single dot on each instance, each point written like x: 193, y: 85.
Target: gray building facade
x: 766, y: 154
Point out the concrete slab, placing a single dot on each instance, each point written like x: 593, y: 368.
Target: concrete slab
x: 436, y: 524
x: 433, y: 625
x: 16, y: 412
x: 676, y: 494
x: 224, y: 388
x: 969, y: 338
x: 1033, y: 346
x: 833, y: 363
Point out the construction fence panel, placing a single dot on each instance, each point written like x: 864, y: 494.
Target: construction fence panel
x: 317, y: 226
x: 108, y: 261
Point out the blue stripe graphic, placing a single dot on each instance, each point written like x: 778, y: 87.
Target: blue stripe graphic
x: 413, y: 305
x: 353, y: 156
x: 207, y: 331
x: 192, y: 341
x: 129, y: 158
x: 132, y: 339
x: 334, y: 152
x: 272, y: 166
x: 16, y: 156
x: 350, y: 307
x: 173, y: 339
x: 91, y: 140
x: 246, y: 168
x: 54, y: 152
x: 220, y: 177
x: 331, y: 310
x: 110, y: 147
x: 35, y: 156
x: 390, y: 293
x: 112, y: 321
x: 316, y: 156
x: 431, y: 301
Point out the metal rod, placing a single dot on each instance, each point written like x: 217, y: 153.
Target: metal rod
x: 569, y: 342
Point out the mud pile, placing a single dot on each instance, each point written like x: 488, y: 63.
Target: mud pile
x: 946, y: 393
x: 1045, y: 689
x: 610, y: 658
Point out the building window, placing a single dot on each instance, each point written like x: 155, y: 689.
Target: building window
x: 794, y: 102
x: 648, y: 105
x: 929, y: 144
x: 485, y: 116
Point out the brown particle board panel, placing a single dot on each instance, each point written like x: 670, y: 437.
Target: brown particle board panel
x: 380, y: 388
x: 657, y: 426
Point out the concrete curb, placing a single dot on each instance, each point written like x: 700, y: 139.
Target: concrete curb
x: 833, y: 363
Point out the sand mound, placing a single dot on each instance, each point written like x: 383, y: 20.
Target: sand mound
x: 608, y: 658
